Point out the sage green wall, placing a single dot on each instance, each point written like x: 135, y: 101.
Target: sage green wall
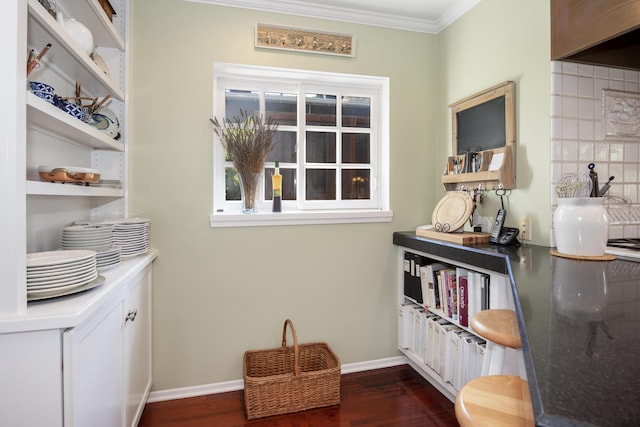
x: 220, y: 292
x: 500, y: 40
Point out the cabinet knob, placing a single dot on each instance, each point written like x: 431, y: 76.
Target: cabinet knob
x: 131, y: 315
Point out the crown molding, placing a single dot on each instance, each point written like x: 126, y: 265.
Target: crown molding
x: 335, y: 13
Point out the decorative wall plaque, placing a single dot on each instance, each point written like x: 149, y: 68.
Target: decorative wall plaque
x: 620, y: 114
x: 301, y: 40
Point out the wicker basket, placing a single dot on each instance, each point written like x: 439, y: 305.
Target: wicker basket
x: 290, y: 379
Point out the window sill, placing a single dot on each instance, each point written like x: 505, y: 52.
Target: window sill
x: 221, y: 219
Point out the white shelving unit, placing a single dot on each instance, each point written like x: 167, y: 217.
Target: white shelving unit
x: 36, y: 133
x: 95, y: 327
x: 54, y: 137
x: 417, y: 362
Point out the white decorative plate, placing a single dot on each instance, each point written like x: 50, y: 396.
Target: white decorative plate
x: 100, y: 63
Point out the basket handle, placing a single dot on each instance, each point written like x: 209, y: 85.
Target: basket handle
x: 296, y: 355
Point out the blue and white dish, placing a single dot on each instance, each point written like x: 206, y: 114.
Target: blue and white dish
x: 106, y: 121
x: 41, y: 87
x: 47, y: 96
x: 77, y: 111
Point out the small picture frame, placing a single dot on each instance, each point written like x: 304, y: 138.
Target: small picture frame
x: 269, y: 36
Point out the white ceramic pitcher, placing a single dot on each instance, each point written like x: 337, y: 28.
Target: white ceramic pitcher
x: 78, y: 32
x: 581, y: 226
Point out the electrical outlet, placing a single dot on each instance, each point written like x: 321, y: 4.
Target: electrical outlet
x: 525, y: 228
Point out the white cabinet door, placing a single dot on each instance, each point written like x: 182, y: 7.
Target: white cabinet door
x: 137, y: 346
x: 93, y: 384
x: 31, y: 391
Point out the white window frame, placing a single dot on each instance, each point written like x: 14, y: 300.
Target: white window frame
x: 376, y: 209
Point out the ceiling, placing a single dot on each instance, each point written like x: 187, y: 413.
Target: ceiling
x: 427, y: 16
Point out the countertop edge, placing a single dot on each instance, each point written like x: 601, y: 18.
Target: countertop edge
x: 68, y: 312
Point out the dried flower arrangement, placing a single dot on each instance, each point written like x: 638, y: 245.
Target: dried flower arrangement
x: 247, y: 140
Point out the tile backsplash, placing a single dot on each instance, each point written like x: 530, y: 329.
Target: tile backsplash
x: 595, y: 118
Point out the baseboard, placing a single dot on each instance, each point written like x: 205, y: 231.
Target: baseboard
x: 234, y: 385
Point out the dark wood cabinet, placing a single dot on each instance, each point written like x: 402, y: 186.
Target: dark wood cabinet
x: 601, y: 32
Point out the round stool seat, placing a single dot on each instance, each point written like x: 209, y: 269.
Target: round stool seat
x: 495, y: 400
x: 499, y: 326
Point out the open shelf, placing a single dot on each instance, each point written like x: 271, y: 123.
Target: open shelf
x: 41, y: 188
x: 43, y: 115
x: 66, y: 55
x: 502, y: 177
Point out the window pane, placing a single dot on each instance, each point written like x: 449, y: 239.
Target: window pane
x: 237, y: 100
x: 288, y: 183
x: 356, y: 111
x: 321, y: 147
x: 285, y: 149
x: 355, y: 184
x: 282, y: 107
x: 321, y: 184
x: 355, y: 148
x: 320, y: 109
x: 232, y: 184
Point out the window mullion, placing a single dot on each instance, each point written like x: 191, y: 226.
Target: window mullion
x: 301, y: 145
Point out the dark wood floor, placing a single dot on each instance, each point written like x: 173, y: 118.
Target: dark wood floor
x: 396, y: 396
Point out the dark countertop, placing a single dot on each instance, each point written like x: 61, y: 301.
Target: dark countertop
x: 580, y: 327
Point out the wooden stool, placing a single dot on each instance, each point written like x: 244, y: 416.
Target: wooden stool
x: 500, y: 328
x: 495, y: 400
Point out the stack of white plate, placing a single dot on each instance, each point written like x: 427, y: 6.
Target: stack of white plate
x: 109, y: 258
x: 130, y: 234
x: 57, y: 273
x: 95, y: 237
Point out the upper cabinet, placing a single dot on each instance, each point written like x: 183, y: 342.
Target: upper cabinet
x: 599, y: 32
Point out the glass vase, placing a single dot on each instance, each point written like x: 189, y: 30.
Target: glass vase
x: 249, y: 182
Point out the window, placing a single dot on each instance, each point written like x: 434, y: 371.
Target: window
x: 331, y: 145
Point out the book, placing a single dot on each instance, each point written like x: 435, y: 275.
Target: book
x: 481, y: 347
x: 419, y: 333
x: 439, y: 282
x: 416, y: 292
x: 407, y: 274
x: 437, y: 295
x: 449, y: 279
x: 484, y: 291
x: 429, y: 344
x: 471, y: 295
x: 499, y: 294
x: 412, y: 285
x: 451, y: 369
x: 456, y: 357
x: 404, y: 325
x: 463, y: 301
x: 445, y: 329
x: 426, y: 284
x: 416, y: 313
x: 462, y: 292
x: 439, y: 329
x: 429, y: 276
x: 467, y: 362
